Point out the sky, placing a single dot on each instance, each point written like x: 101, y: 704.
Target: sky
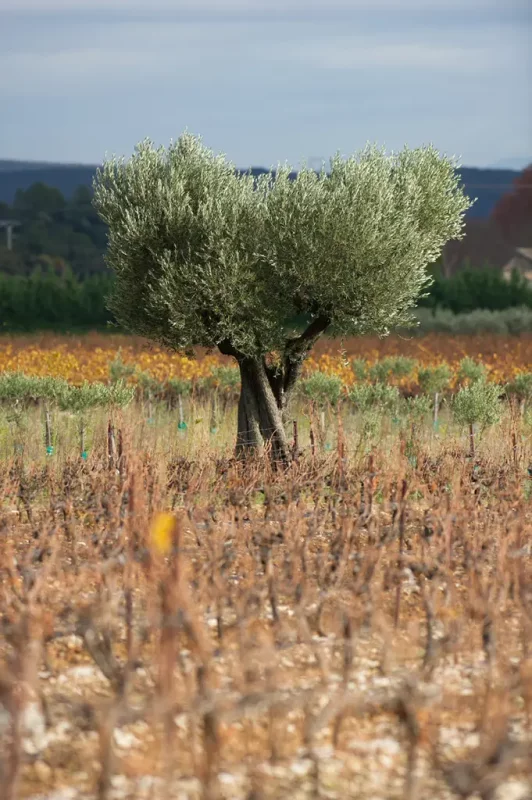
x: 266, y: 81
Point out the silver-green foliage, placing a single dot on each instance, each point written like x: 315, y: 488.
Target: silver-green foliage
x: 119, y: 370
x: 419, y: 407
x: 391, y: 367
x: 149, y: 386
x: 16, y: 387
x: 226, y: 377
x: 153, y: 389
x: 477, y: 403
x: 179, y: 387
x: 381, y: 396
x: 471, y: 371
x: 509, y: 321
x: 521, y: 386
x: 322, y: 388
x: 360, y: 368
x: 95, y: 395
x: 434, y: 380
x: 204, y: 255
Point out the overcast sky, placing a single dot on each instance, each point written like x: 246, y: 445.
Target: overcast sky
x: 266, y: 80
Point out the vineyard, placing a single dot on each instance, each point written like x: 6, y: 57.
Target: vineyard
x: 88, y: 358
x: 178, y: 624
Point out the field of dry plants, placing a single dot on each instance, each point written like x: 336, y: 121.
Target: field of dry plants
x: 175, y: 624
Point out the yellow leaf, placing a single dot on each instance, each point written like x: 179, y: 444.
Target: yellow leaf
x: 161, y: 531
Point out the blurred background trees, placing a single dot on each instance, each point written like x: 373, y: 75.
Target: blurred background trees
x: 53, y: 232
x: 513, y: 211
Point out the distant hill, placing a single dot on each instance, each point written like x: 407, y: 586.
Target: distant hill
x: 511, y: 163
x: 485, y: 184
x: 9, y: 165
x: 21, y: 175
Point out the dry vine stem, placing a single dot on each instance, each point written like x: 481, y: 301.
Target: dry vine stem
x: 348, y: 624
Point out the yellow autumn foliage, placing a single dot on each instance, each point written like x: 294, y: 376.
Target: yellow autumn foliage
x: 88, y: 358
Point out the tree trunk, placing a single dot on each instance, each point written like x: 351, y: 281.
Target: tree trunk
x: 471, y: 440
x: 249, y: 436
x: 266, y: 390
x: 260, y: 417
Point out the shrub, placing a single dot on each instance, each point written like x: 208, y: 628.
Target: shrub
x: 322, y: 388
x: 481, y: 320
x: 417, y: 408
x: 392, y: 367
x: 17, y: 387
x: 379, y: 395
x: 521, y: 386
x: 178, y: 387
x: 470, y: 371
x: 120, y: 371
x: 92, y: 395
x: 434, y: 380
x: 518, y: 320
x: 477, y: 404
x: 510, y: 321
x: 227, y: 379
x: 360, y: 368
x: 149, y: 387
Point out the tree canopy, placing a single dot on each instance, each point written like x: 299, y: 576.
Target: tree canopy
x: 204, y: 255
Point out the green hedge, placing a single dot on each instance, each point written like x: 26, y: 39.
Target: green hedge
x: 45, y: 301
x: 511, y: 321
x: 473, y: 301
x: 472, y: 289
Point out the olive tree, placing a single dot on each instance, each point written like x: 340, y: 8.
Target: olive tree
x: 207, y: 256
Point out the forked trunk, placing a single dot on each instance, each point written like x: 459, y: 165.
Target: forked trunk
x: 265, y: 392
x: 260, y: 415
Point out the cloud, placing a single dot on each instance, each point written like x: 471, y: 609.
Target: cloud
x: 94, y: 56
x: 264, y: 79
x: 250, y: 7
x: 359, y: 55
x: 69, y: 66
x: 102, y: 57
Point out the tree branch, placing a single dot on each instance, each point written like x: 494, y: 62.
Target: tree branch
x: 226, y: 349
x: 275, y: 377
x: 298, y: 348
x: 310, y: 334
